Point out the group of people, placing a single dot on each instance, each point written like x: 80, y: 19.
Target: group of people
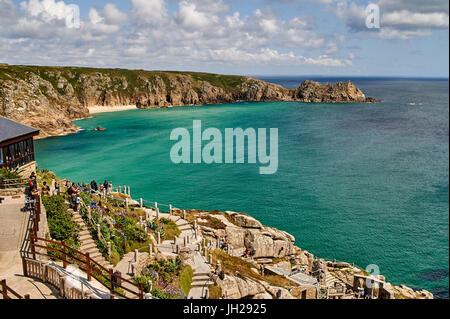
x: 104, y: 188
x: 73, y: 192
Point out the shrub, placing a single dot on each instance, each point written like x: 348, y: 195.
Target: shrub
x: 9, y: 174
x: 212, y: 222
x: 45, y: 176
x: 215, y: 292
x: 60, y: 222
x: 54, y: 205
x: 185, y: 280
x: 169, y: 228
x: 134, y: 233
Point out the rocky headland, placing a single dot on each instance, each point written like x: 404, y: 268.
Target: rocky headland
x: 289, y: 271
x: 50, y: 98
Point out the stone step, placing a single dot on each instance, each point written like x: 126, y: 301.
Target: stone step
x: 85, y: 236
x: 95, y: 255
x: 200, y: 278
x: 201, y: 274
x: 88, y: 245
x: 201, y: 284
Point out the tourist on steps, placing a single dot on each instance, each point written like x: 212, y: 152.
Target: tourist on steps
x: 94, y: 186
x: 105, y: 187
x: 56, y: 190
x: 77, y: 203
x: 45, y: 190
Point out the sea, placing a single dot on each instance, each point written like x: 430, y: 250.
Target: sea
x: 362, y: 183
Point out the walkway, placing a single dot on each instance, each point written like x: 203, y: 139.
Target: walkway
x: 13, y: 229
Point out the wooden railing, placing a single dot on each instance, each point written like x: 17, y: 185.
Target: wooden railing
x: 13, y: 183
x: 7, y: 292
x: 60, y: 251
x: 51, y: 275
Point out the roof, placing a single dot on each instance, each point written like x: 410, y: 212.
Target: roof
x: 10, y: 129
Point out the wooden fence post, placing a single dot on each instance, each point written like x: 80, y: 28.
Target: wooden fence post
x: 45, y: 273
x: 64, y: 257
x: 27, y: 296
x: 111, y: 282
x: 109, y: 249
x: 88, y: 267
x: 33, y: 249
x: 61, y: 285
x: 24, y: 266
x: 141, y: 291
x: 170, y: 209
x: 4, y: 289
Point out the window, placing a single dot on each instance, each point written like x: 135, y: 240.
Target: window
x: 1, y: 156
x: 18, y: 154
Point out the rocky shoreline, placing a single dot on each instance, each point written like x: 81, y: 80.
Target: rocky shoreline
x: 276, y: 250
x: 50, y: 98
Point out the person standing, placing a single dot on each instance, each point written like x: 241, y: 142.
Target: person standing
x: 105, y: 187
x: 77, y: 203
x: 56, y: 190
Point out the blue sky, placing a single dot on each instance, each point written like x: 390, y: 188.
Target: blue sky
x: 253, y: 37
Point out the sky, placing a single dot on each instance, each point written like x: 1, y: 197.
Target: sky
x: 246, y: 37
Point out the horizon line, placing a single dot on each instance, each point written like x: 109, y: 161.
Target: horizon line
x: 247, y: 75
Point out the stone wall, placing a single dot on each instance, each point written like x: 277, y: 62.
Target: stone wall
x: 27, y: 169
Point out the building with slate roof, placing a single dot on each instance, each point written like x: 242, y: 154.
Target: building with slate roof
x: 16, y: 145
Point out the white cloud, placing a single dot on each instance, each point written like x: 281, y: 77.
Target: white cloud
x: 406, y: 18
x: 400, y: 19
x: 189, y: 17
x: 113, y: 15
x: 150, y: 11
x: 47, y: 10
x: 197, y: 33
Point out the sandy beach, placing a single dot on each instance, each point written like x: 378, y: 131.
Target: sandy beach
x: 103, y: 109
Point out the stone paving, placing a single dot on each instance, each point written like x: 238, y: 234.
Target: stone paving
x: 13, y: 224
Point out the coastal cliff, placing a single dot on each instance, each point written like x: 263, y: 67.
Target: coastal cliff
x: 50, y: 98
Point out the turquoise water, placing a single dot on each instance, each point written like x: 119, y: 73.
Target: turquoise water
x: 363, y: 183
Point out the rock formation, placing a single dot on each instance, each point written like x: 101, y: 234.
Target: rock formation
x: 276, y: 248
x: 50, y: 98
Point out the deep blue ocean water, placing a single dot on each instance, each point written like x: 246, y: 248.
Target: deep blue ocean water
x: 363, y: 183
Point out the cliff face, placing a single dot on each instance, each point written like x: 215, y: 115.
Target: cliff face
x: 50, y: 98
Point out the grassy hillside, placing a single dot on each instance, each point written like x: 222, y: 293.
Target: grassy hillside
x: 133, y: 77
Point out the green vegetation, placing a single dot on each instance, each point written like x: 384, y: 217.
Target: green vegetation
x: 186, y: 279
x: 215, y: 292
x: 60, y: 223
x: 9, y: 174
x: 212, y: 222
x: 118, y: 224
x: 166, y: 227
x: 45, y: 176
x: 167, y: 276
x: 136, y: 79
